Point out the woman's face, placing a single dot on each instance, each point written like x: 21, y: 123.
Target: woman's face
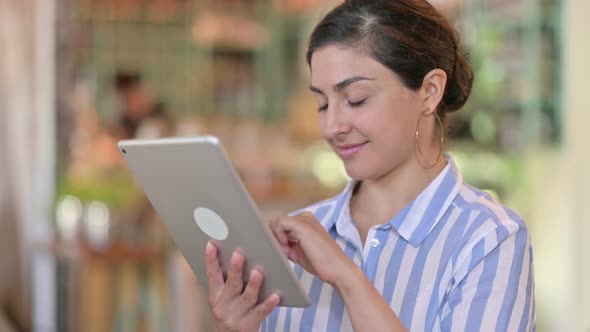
x: 366, y: 114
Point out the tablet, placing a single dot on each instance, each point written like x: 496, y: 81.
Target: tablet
x: 198, y: 195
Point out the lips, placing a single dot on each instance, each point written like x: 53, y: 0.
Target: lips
x: 348, y: 151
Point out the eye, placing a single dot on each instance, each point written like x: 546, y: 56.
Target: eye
x: 323, y: 108
x: 356, y: 103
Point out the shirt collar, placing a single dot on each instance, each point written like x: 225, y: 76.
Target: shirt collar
x: 418, y: 218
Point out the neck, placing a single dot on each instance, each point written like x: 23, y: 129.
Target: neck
x: 378, y: 200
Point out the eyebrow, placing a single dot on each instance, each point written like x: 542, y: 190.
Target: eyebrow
x: 341, y: 85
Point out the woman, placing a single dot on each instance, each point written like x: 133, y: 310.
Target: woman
x: 407, y: 245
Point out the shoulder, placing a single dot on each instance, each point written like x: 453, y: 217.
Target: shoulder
x: 492, y: 227
x: 492, y: 216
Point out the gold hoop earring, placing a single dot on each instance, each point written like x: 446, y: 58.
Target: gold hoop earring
x: 442, y: 139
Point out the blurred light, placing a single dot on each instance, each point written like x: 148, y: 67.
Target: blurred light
x: 150, y: 128
x: 469, y: 31
x: 483, y: 127
x: 459, y: 159
x: 328, y: 169
x: 188, y: 127
x: 214, y: 29
x: 493, y: 193
x: 68, y: 214
x: 97, y: 223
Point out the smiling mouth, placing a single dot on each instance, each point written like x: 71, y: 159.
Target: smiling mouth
x: 348, y: 151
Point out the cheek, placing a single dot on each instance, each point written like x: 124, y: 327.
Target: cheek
x: 322, y: 125
x: 392, y: 125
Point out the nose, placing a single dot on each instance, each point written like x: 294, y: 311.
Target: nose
x: 335, y: 123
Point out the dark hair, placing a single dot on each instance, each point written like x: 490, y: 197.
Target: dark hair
x: 410, y: 37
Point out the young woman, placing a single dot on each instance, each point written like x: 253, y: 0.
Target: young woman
x: 407, y: 245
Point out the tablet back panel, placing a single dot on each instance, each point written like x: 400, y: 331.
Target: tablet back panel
x: 180, y: 175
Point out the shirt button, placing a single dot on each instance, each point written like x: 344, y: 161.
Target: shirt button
x: 374, y: 243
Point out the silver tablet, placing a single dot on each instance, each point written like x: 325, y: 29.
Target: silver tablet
x: 196, y: 192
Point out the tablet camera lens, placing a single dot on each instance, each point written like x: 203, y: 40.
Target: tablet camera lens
x: 123, y: 150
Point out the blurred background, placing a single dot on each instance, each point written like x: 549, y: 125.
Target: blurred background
x: 81, y: 248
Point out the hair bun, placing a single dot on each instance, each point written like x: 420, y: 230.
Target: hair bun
x: 459, y: 86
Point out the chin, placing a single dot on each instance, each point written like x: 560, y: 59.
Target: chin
x: 367, y: 170
x: 358, y: 171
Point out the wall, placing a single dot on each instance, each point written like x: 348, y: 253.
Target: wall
x: 576, y: 147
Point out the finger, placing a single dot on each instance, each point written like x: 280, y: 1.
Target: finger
x: 271, y: 221
x: 214, y: 274
x: 285, y: 249
x: 282, y: 230
x: 250, y: 296
x: 293, y: 255
x: 261, y: 311
x: 234, y: 283
x: 293, y: 250
x: 307, y: 215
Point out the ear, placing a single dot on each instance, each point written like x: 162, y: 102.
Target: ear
x: 433, y: 89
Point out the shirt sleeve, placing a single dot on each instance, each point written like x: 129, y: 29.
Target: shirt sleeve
x: 496, y: 291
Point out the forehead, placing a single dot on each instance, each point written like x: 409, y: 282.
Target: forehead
x: 334, y: 63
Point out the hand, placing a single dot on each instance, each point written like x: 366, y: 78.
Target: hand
x: 305, y: 241
x: 234, y: 307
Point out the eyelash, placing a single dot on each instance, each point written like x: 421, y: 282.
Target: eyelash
x: 350, y: 103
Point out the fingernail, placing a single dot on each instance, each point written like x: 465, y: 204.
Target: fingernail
x: 254, y: 274
x: 235, y: 256
x: 209, y: 248
x: 275, y: 297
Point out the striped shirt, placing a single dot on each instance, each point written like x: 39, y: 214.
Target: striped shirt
x: 454, y: 259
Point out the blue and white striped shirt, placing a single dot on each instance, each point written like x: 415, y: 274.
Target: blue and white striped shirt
x: 453, y: 260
